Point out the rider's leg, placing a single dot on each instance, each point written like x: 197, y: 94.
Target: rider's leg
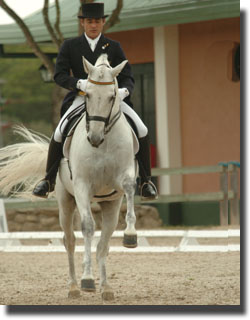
x: 47, y: 185
x: 148, y: 189
x: 55, y: 153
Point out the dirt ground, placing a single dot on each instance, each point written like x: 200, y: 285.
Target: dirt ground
x: 137, y: 279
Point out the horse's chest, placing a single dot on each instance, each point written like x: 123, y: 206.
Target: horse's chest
x: 103, y: 166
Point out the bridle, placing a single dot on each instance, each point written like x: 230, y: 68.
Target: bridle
x: 108, y: 121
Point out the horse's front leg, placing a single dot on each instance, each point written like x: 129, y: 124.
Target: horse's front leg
x: 110, y: 215
x: 130, y: 235
x: 66, y: 205
x: 88, y: 229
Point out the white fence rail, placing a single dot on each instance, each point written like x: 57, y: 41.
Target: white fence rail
x: 10, y: 241
x: 118, y: 234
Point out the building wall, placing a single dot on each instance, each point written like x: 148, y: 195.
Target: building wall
x: 138, y: 45
x: 210, y: 100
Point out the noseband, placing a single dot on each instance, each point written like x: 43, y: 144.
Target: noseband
x: 109, y: 123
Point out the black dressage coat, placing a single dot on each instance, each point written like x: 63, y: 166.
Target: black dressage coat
x: 69, y: 67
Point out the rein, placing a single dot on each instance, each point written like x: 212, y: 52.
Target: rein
x: 109, y: 123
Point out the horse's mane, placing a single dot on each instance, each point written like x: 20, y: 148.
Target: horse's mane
x: 102, y: 63
x: 102, y: 60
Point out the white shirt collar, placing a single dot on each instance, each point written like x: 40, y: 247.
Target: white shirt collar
x: 92, y: 42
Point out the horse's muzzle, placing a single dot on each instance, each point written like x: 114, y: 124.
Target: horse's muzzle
x: 95, y: 140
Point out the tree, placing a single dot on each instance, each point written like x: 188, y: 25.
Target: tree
x: 57, y: 38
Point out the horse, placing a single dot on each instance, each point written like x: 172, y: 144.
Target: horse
x: 101, y: 167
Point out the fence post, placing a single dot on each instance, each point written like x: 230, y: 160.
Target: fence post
x: 224, y: 189
x: 234, y: 202
x: 3, y: 219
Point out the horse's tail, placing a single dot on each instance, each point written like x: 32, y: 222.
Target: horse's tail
x: 22, y: 165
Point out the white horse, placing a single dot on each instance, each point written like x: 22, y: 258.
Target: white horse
x: 102, y: 168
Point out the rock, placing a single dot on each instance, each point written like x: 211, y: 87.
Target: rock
x: 29, y: 226
x: 95, y: 207
x: 14, y: 226
x: 56, y: 227
x: 47, y: 219
x: 11, y: 215
x: 20, y: 218
x: 123, y: 208
x: 32, y: 218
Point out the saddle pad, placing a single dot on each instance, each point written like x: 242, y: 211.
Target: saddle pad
x: 67, y: 141
x: 135, y: 142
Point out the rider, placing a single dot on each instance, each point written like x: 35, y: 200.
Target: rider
x: 69, y: 74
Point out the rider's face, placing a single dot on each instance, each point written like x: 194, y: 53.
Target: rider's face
x: 93, y: 27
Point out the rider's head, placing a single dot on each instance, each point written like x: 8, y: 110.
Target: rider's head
x: 93, y: 18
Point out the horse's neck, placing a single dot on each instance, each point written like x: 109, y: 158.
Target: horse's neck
x: 116, y: 105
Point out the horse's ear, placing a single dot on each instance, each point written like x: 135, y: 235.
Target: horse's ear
x: 88, y: 67
x: 116, y: 70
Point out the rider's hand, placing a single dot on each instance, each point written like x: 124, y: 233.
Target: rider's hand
x: 123, y: 93
x: 81, y: 84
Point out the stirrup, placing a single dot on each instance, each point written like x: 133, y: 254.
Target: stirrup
x: 45, y: 196
x: 154, y: 187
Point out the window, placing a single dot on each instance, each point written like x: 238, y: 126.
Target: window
x: 234, y: 63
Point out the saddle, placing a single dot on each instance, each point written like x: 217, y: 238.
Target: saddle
x: 74, y: 121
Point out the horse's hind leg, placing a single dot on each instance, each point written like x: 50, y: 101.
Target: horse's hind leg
x: 130, y: 235
x: 66, y: 205
x: 110, y: 215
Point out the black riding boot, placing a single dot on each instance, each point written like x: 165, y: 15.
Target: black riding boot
x: 47, y: 185
x: 148, y: 189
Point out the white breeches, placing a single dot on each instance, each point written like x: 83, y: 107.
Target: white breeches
x: 78, y: 104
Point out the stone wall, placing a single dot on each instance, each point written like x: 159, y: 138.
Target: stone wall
x: 47, y: 219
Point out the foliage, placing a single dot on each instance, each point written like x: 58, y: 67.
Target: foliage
x: 28, y: 97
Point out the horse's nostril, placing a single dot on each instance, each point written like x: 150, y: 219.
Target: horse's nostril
x: 95, y: 141
x: 88, y: 138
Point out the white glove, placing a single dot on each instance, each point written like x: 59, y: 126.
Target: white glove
x: 81, y: 84
x: 123, y: 93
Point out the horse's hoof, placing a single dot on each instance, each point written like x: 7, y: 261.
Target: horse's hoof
x: 74, y: 293
x: 129, y: 240
x: 108, y: 295
x: 88, y: 285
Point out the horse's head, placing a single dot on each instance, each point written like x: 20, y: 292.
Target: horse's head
x: 102, y: 99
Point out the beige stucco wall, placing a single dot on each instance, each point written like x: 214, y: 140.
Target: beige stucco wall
x: 210, y: 100
x: 138, y: 45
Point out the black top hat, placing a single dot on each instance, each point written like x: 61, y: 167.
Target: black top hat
x: 93, y: 10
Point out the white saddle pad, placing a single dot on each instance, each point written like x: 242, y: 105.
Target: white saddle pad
x: 67, y: 142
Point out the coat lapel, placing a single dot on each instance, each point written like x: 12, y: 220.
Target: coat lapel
x: 102, y: 44
x: 85, y: 49
x: 101, y: 47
